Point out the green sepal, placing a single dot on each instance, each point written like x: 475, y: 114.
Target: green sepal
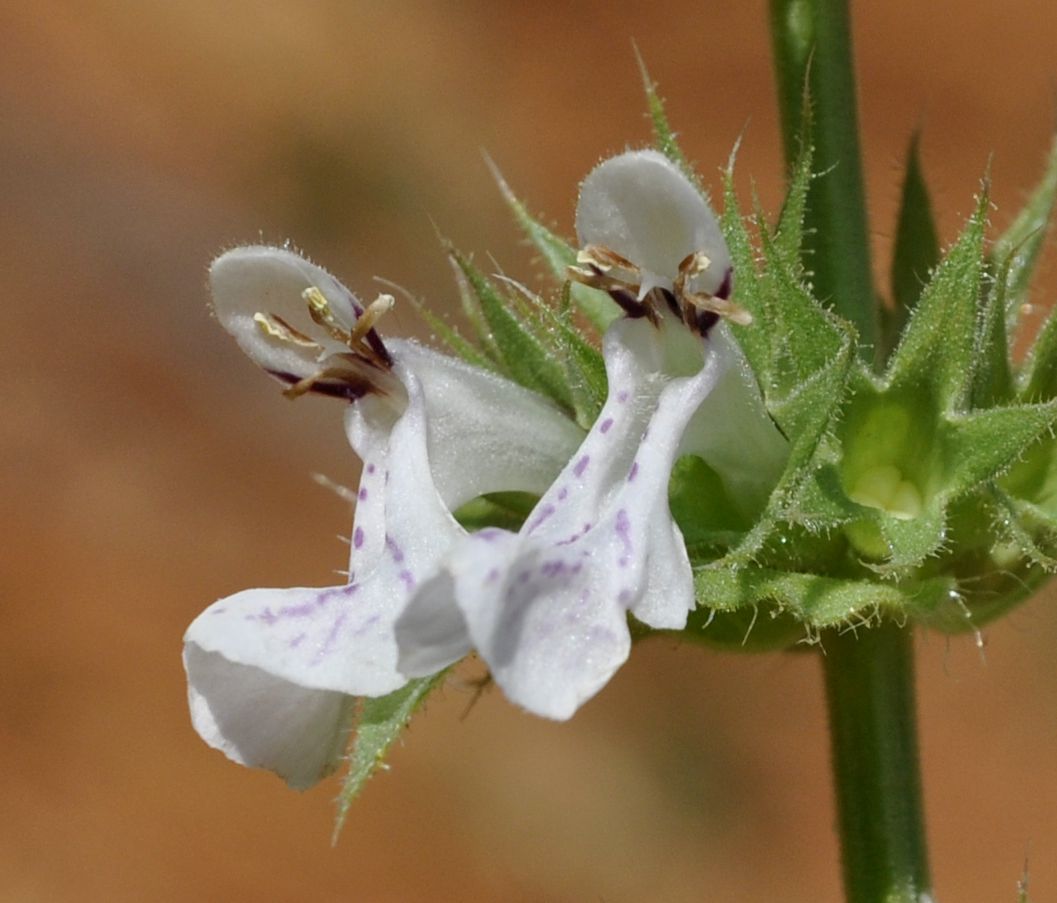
x: 558, y: 255
x: 664, y: 138
x: 1030, y: 529
x: 818, y: 601
x: 810, y: 337
x: 789, y: 232
x: 993, y: 380
x: 585, y: 368
x: 916, y: 251
x: 754, y: 341
x: 1038, y: 377
x: 507, y: 510
x: 983, y: 445
x: 937, y: 351
x: 940, y: 462
x: 381, y: 721
x: 801, y: 354
x: 1021, y: 244
x: 707, y: 517
x: 523, y: 357
x: 803, y: 379
x: 459, y: 346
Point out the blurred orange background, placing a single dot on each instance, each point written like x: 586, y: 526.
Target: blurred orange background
x: 149, y: 469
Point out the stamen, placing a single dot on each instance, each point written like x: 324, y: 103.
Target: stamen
x: 724, y: 307
x: 602, y: 268
x: 694, y: 264
x: 348, y: 384
x: 604, y: 258
x: 276, y: 327
x: 319, y: 311
x: 365, y: 322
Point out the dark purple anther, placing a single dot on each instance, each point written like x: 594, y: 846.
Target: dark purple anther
x: 706, y: 319
x: 726, y: 285
x: 631, y: 305
x: 669, y: 299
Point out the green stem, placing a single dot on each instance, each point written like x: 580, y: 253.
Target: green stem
x: 812, y: 50
x: 870, y: 692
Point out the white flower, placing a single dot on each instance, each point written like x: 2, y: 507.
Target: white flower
x: 270, y: 671
x: 547, y: 607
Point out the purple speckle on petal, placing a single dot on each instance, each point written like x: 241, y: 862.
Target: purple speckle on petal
x: 489, y: 534
x: 297, y: 640
x: 394, y: 549
x: 581, y: 465
x: 408, y: 579
x: 623, y: 531
x: 370, y: 468
x: 357, y: 538
x: 363, y: 494
x: 366, y: 625
x: 493, y: 575
x: 552, y: 568
x: 624, y: 597
x: 634, y: 471
x: 328, y: 644
x: 622, y: 396
x: 523, y: 577
x: 219, y: 611
x: 606, y: 424
x: 545, y: 512
x: 563, y: 493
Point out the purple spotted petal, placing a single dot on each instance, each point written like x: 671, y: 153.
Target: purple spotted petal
x: 269, y: 670
x: 547, y: 607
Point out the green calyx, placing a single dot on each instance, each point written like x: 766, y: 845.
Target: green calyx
x: 925, y: 489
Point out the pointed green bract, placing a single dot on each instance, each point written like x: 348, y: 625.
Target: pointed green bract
x: 789, y: 234
x: 802, y: 360
x: 916, y: 250
x: 993, y: 381
x: 584, y: 366
x: 380, y: 723
x: 938, y: 347
x: 756, y: 343
x: 558, y: 255
x: 450, y: 336
x: 524, y: 357
x: 663, y: 137
x: 1038, y: 381
x: 1022, y: 243
x: 983, y: 445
